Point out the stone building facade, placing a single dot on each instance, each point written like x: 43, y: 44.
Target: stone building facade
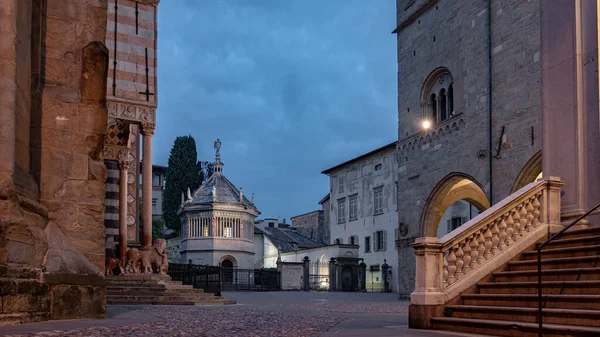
x: 363, y: 210
x: 217, y: 222
x: 131, y: 99
x: 469, y: 110
x: 315, y: 221
x: 53, y: 78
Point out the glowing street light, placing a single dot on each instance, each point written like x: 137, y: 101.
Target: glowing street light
x: 426, y: 124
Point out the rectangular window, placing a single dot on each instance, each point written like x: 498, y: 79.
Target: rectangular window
x: 456, y: 222
x: 367, y: 244
x: 341, y: 184
x: 378, y: 200
x: 339, y: 241
x: 154, y: 200
x: 351, y: 240
x: 353, y: 208
x: 342, y: 210
x: 380, y: 241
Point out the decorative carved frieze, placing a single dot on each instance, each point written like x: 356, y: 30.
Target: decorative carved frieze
x: 131, y: 112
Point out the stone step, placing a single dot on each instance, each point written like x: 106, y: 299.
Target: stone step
x: 10, y: 286
x: 23, y: 317
x: 146, y: 297
x: 156, y: 287
x: 550, y: 316
x: 568, y: 242
x: 113, y: 294
x: 154, y: 290
x: 511, y: 328
x: 548, y: 287
x: 582, y: 232
x: 584, y: 302
x: 569, y: 274
x: 557, y: 263
x: 155, y: 302
x: 563, y: 252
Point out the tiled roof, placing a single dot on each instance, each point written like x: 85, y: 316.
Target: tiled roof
x: 226, y: 192
x: 285, y: 238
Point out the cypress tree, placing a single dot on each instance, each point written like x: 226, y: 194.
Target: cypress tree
x: 182, y: 173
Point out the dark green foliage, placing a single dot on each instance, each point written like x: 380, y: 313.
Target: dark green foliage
x: 182, y: 173
x: 157, y: 228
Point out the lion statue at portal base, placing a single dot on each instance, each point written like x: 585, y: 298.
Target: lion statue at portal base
x: 152, y: 260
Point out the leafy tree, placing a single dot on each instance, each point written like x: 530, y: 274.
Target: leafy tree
x: 182, y: 173
x: 158, y: 226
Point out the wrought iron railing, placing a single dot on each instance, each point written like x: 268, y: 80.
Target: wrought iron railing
x: 199, y: 276
x: 539, y: 264
x: 214, y: 279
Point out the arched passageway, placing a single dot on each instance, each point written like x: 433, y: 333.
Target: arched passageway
x: 532, y: 171
x: 457, y: 197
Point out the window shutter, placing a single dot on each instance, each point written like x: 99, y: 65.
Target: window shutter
x: 385, y: 240
x: 375, y: 242
x: 396, y: 235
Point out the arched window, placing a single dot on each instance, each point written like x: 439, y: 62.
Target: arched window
x: 443, y: 107
x: 437, y: 96
x: 451, y: 99
x: 433, y: 104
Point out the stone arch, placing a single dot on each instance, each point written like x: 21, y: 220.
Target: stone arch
x: 229, y: 258
x: 455, y: 186
x: 529, y: 173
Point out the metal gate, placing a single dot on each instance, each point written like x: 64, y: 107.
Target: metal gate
x: 250, y: 279
x: 214, y: 279
x: 202, y: 277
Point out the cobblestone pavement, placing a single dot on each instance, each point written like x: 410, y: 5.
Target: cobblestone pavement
x: 256, y: 314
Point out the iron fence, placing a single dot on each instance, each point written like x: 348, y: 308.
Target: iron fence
x: 202, y: 277
x: 318, y: 282
x: 250, y: 279
x: 214, y: 279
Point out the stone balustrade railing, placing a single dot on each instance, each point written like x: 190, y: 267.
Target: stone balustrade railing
x: 448, y: 266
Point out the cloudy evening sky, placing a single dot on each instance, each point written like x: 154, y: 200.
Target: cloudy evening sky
x: 291, y: 87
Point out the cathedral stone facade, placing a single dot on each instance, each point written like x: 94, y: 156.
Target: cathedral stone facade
x: 469, y: 110
x: 217, y: 222
x: 53, y: 79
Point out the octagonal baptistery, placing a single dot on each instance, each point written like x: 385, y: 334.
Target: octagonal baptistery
x: 217, y: 223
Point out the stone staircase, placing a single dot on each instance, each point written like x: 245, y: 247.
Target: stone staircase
x: 505, y: 303
x: 156, y: 290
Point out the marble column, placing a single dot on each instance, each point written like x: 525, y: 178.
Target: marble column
x: 147, y: 133
x: 123, y: 168
x: 571, y: 142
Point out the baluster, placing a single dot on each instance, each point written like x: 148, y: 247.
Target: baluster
x: 467, y: 256
x: 524, y: 221
x: 516, y: 224
x: 474, y: 252
x: 481, y: 248
x: 488, y: 236
x: 459, y: 262
x: 451, y: 262
x: 509, y: 229
x: 502, y: 234
x: 536, y: 210
x: 529, y: 216
x: 445, y: 266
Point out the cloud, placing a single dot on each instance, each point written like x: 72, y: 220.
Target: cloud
x: 290, y: 88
